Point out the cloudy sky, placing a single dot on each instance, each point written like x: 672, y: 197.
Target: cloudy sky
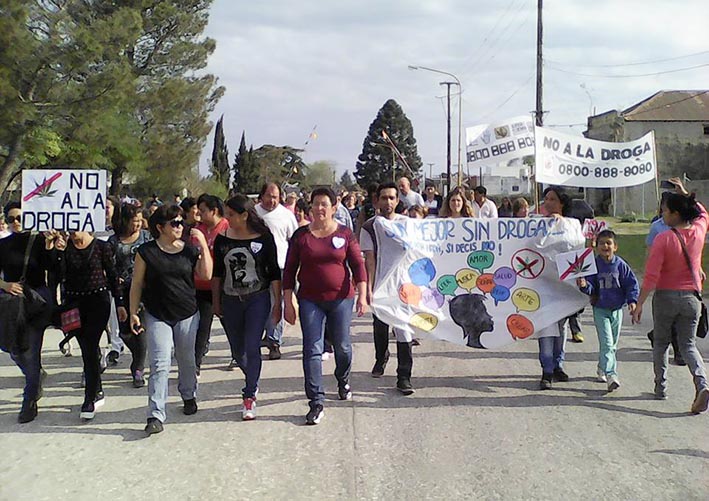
x: 289, y: 66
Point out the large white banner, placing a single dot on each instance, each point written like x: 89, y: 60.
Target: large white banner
x: 569, y: 160
x: 68, y: 200
x: 491, y: 144
x: 482, y: 283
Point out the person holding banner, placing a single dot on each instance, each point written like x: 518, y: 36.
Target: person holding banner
x: 456, y: 205
x: 387, y: 198
x: 24, y: 260
x: 552, y: 340
x: 322, y: 254
x: 483, y: 206
x: 673, y: 271
x: 88, y: 274
x: 163, y: 278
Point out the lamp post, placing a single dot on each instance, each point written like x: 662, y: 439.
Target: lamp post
x: 460, y: 116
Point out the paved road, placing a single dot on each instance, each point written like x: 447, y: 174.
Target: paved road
x: 476, y: 428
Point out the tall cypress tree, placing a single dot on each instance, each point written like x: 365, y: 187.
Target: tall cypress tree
x: 377, y: 163
x: 220, y: 156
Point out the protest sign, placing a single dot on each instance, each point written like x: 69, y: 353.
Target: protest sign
x: 68, y: 200
x: 576, y: 264
x: 482, y: 283
x: 490, y: 144
x: 592, y: 227
x: 569, y: 160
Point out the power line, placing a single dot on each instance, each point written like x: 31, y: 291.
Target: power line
x: 509, y: 98
x: 620, y: 65
x: 630, y: 76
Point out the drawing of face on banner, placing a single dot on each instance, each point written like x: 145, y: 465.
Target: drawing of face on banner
x: 480, y: 283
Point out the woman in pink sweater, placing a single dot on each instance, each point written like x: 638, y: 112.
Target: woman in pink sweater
x: 677, y: 286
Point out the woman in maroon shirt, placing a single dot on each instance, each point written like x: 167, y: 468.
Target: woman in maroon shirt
x: 320, y: 254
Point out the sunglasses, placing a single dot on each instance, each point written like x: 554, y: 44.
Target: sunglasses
x: 176, y: 223
x: 12, y: 219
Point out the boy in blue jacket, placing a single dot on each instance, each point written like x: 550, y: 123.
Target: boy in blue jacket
x: 610, y: 289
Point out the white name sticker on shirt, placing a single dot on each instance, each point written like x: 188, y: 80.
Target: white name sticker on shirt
x: 256, y: 247
x: 338, y: 242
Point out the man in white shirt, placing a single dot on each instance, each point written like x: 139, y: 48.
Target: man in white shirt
x: 483, y: 206
x: 282, y: 224
x: 407, y: 196
x: 387, y: 199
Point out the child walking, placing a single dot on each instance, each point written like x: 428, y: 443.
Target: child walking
x: 610, y: 289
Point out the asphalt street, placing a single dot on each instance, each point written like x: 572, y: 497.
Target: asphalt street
x: 476, y: 428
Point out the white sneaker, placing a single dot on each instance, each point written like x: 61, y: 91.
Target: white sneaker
x: 601, y: 376
x: 249, y: 410
x: 325, y: 356
x: 613, y: 383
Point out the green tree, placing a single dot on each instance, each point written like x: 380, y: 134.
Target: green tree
x: 220, y: 156
x: 246, y: 174
x: 278, y: 163
x: 376, y: 161
x: 347, y: 182
x: 319, y: 173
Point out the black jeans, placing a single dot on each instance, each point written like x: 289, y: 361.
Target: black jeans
x: 94, y: 310
x: 138, y: 345
x: 404, y: 352
x: 206, y: 315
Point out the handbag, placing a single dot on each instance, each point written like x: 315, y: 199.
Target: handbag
x: 703, y: 325
x: 68, y: 314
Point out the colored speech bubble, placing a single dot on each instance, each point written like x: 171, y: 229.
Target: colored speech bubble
x: 467, y: 278
x: 447, y: 285
x: 424, y: 321
x: 431, y: 298
x: 519, y: 326
x: 481, y: 260
x: 422, y: 271
x: 506, y: 277
x: 500, y: 293
x: 526, y: 299
x: 410, y: 294
x: 486, y: 283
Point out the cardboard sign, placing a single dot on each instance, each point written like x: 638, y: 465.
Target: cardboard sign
x: 67, y: 200
x: 576, y: 264
x: 568, y: 160
x: 491, y: 144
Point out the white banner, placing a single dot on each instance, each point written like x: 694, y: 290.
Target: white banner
x: 491, y: 144
x: 68, y: 200
x: 576, y: 161
x: 477, y: 282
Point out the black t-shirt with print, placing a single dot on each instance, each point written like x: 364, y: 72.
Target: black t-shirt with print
x: 169, y: 293
x: 247, y: 266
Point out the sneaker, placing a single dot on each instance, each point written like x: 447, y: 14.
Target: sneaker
x: 601, y: 376
x: 314, y: 415
x: 190, y: 407
x: 560, y: 375
x: 154, y: 426
x: 248, y: 412
x: 545, y: 383
x: 379, y: 366
x: 701, y: 401
x: 198, y: 371
x: 404, y: 386
x: 660, y: 393
x: 344, y: 392
x: 613, y: 383
x: 112, y: 358
x: 99, y: 399
x: 577, y: 337
x: 88, y: 411
x: 274, y: 352
x: 325, y: 356
x: 679, y: 360
x: 415, y: 342
x: 233, y: 364
x: 138, y: 379
x: 28, y: 411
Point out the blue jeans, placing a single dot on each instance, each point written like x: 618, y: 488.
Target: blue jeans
x: 608, y: 329
x: 161, y: 337
x: 313, y: 315
x: 274, y: 330
x: 243, y: 323
x: 552, y: 350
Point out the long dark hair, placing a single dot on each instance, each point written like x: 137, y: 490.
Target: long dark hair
x: 685, y: 205
x: 563, y: 198
x: 241, y: 203
x: 123, y: 217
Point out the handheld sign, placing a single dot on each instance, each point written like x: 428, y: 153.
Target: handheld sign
x: 576, y: 264
x: 66, y: 200
x: 592, y: 227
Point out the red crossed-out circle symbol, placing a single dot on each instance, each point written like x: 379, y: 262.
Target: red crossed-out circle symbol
x: 527, y: 263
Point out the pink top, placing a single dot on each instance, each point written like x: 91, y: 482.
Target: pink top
x: 666, y: 267
x: 323, y: 264
x: 210, y: 236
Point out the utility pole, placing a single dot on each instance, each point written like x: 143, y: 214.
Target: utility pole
x: 539, y: 112
x: 448, y: 134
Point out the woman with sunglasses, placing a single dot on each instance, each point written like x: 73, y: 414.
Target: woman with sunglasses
x: 245, y: 269
x: 12, y: 268
x: 163, y: 279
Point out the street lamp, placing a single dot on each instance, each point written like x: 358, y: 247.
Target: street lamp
x: 460, y: 118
